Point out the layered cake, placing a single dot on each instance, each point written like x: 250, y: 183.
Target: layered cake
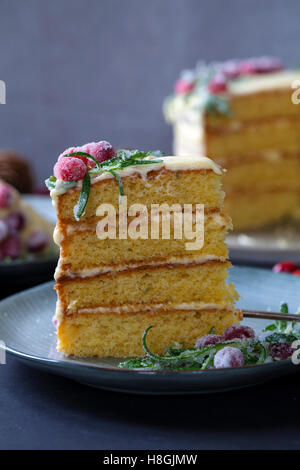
x: 244, y: 113
x: 24, y: 234
x: 111, y: 288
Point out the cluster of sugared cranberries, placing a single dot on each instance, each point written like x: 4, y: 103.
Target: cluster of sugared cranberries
x: 228, y: 357
x: 11, y: 226
x: 232, y: 332
x: 287, y: 267
x: 281, y: 350
x: 232, y: 69
x: 37, y: 241
x: 10, y: 240
x: 75, y: 168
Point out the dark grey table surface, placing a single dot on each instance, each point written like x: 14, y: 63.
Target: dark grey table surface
x: 42, y: 411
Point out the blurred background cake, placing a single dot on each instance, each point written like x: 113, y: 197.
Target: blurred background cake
x: 241, y: 112
x: 24, y: 233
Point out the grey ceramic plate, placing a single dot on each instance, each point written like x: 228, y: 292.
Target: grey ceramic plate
x: 27, y: 330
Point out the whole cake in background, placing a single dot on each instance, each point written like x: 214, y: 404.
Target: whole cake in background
x: 24, y: 234
x: 241, y: 112
x: 111, y: 290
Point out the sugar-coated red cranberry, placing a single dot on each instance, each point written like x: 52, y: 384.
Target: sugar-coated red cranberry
x: 280, y: 350
x: 248, y: 67
x: 208, y: 340
x: 3, y: 230
x: 15, y: 221
x: 182, y: 86
x: 231, y: 69
x: 296, y: 272
x: 102, y: 151
x: 238, y: 332
x: 85, y: 160
x: 37, y: 241
x: 218, y: 84
x: 228, y: 357
x: 69, y: 169
x: 11, y: 247
x: 267, y: 64
x: 5, y: 195
x: 285, y: 267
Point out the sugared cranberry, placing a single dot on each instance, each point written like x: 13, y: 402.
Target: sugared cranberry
x: 296, y: 272
x: 37, y: 241
x: 218, y: 84
x: 102, y: 151
x: 280, y: 350
x: 5, y: 195
x: 285, y: 267
x: 238, y: 332
x: 248, y: 67
x: 3, y: 230
x: 182, y: 86
x: 208, y: 340
x: 267, y: 64
x: 11, y: 247
x: 228, y: 357
x: 15, y: 221
x: 85, y: 160
x: 231, y: 69
x: 69, y: 169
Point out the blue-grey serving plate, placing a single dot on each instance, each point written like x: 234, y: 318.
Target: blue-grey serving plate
x: 28, y: 333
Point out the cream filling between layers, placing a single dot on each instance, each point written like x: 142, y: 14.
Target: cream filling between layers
x: 60, y: 272
x: 134, y: 308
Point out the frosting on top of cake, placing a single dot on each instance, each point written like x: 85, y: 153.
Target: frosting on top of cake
x: 210, y: 87
x: 172, y: 163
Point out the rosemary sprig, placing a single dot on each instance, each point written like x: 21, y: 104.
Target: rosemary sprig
x: 83, y: 154
x: 83, y: 198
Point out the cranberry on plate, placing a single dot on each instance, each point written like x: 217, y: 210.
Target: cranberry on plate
x: 228, y: 357
x: 238, y: 332
x: 285, y: 267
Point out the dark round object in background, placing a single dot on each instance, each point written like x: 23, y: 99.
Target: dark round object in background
x: 15, y: 170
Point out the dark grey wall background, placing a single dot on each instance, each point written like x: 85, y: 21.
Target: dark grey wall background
x: 82, y: 70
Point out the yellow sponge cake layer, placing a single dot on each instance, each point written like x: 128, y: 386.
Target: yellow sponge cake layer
x: 174, y: 284
x: 81, y: 250
x: 120, y: 335
x: 157, y: 187
x: 267, y: 207
x: 278, y: 134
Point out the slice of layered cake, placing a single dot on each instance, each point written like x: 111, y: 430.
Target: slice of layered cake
x: 122, y: 268
x: 244, y: 113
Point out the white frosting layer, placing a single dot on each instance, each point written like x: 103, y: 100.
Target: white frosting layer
x: 264, y: 82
